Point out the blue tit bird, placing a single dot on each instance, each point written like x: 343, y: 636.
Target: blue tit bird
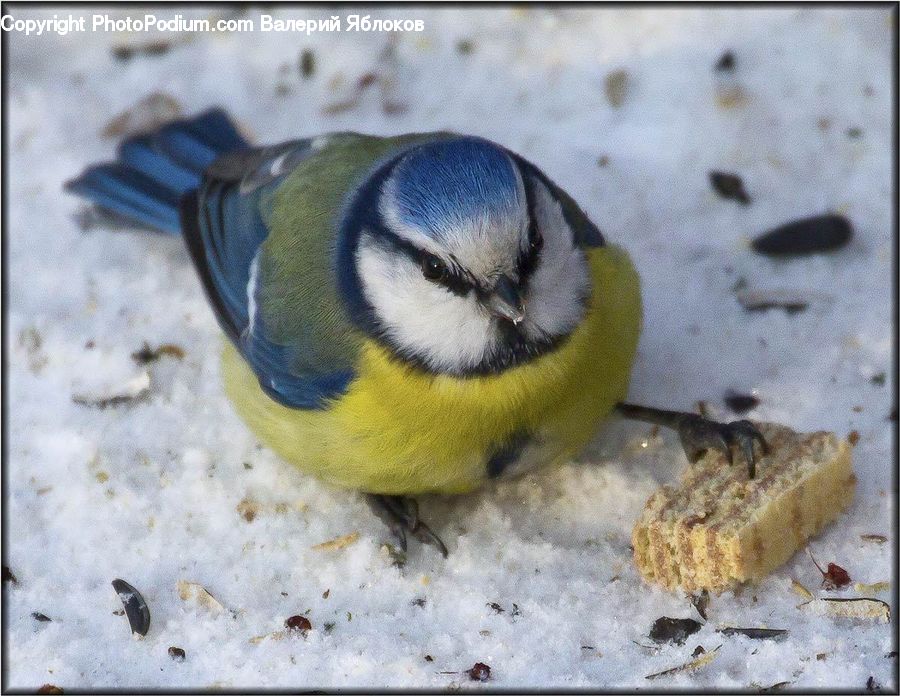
x: 404, y: 315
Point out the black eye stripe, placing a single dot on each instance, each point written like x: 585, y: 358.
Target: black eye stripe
x: 528, y: 257
x: 456, y: 279
x: 528, y: 263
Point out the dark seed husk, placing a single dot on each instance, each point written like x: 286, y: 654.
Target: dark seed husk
x: 668, y: 630
x: 740, y: 403
x: 465, y: 46
x: 725, y: 62
x: 807, y: 236
x: 176, y: 654
x: 701, y: 603
x: 38, y: 616
x: 616, y: 86
x: 136, y: 608
x: 123, y: 52
x: 298, y: 623
x: 307, y: 63
x: 479, y: 672
x: 50, y: 689
x: 8, y: 576
x: 146, y: 354
x: 729, y: 186
x: 775, y: 687
x: 761, y: 300
x: 755, y: 633
x: 153, y: 48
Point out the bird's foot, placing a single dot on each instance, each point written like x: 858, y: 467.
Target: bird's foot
x: 699, y: 435
x: 401, y: 515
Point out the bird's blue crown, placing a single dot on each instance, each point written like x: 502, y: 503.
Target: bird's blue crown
x: 438, y: 186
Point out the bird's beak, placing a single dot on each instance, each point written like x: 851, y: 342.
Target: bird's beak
x: 505, y: 301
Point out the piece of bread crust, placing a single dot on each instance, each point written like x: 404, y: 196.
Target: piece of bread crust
x: 718, y: 528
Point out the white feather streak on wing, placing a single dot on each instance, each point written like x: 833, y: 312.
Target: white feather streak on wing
x: 319, y: 143
x: 277, y: 164
x: 251, y: 290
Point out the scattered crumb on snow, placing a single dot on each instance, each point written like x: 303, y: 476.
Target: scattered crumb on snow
x: 149, y: 492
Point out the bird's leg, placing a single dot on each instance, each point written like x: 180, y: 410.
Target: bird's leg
x: 401, y: 515
x: 699, y: 434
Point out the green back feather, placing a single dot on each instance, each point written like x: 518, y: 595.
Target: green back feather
x: 299, y: 298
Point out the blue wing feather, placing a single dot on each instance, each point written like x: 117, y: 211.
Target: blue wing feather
x: 225, y: 228
x: 200, y: 177
x: 275, y: 366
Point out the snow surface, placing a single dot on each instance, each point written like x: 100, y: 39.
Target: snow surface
x: 149, y: 492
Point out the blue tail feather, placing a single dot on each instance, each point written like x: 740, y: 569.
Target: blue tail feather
x: 154, y: 172
x: 129, y: 193
x: 139, y: 153
x: 184, y: 148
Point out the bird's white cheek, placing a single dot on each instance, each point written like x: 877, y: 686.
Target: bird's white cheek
x: 446, y: 331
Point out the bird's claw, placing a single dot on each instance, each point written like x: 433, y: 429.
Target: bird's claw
x: 401, y: 515
x: 699, y: 435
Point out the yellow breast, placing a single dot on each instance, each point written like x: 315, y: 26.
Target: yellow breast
x: 398, y: 430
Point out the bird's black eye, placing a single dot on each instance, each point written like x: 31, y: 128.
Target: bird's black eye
x: 433, y: 268
x: 537, y: 242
